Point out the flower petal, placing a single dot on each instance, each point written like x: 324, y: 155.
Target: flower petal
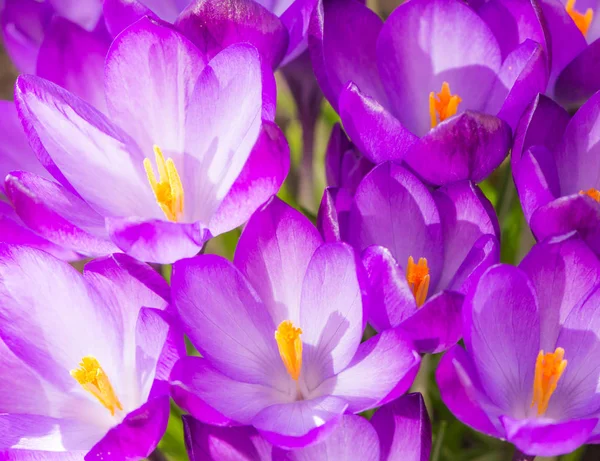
x: 332, y: 219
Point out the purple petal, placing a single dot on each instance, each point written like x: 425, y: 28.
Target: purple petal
x: 577, y: 82
x: 332, y: 219
x: 34, y: 455
x: 260, y: 179
x: 383, y: 368
x: 394, y: 209
x: 213, y: 25
x: 214, y: 391
x: 273, y: 253
x: 422, y: 45
x: 339, y: 55
x: 226, y: 320
x: 83, y: 14
x: 15, y: 153
x: 484, y: 254
x: 73, y: 58
x: 375, y: 131
x: 404, y: 429
x: 544, y: 438
x: 296, y: 19
x: 331, y: 312
x: 566, y: 214
x: 466, y: 215
x: 460, y: 390
x: 353, y: 438
x: 468, y: 146
x: 300, y: 423
x: 391, y: 301
x: 157, y: 241
x: 120, y: 14
x: 23, y: 26
x: 73, y: 139
x: 502, y: 332
x: 563, y: 272
x: 212, y: 443
x: 138, y: 434
x: 57, y: 215
x: 437, y: 325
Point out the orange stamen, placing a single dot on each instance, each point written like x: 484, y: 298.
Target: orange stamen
x: 444, y: 106
x: 93, y: 379
x: 582, y: 21
x: 417, y: 276
x: 168, y: 190
x: 290, y: 347
x: 593, y: 193
x: 548, y: 370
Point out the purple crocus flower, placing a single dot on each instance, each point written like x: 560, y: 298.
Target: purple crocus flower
x: 555, y: 163
x: 422, y: 249
x: 429, y: 87
x: 279, y: 330
x: 84, y: 357
x: 64, y: 41
x: 398, y: 431
x: 529, y: 369
x: 189, y: 150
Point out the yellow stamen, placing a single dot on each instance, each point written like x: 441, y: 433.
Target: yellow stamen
x: 548, y: 370
x: 290, y: 347
x: 593, y: 193
x: 582, y: 21
x: 93, y: 379
x: 168, y: 190
x: 417, y: 276
x: 444, y: 106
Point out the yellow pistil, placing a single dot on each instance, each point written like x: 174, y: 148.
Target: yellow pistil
x: 290, y: 347
x: 582, y: 21
x: 593, y: 193
x: 548, y: 370
x: 417, y: 276
x: 93, y: 379
x: 444, y: 106
x: 168, y: 190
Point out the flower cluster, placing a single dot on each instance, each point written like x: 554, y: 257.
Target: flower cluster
x: 165, y: 260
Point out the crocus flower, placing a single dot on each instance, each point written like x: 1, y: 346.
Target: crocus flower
x: 422, y: 249
x: 429, y: 87
x: 529, y: 369
x: 186, y: 152
x: 279, y: 330
x: 84, y: 357
x: 64, y: 41
x: 398, y: 431
x: 555, y: 163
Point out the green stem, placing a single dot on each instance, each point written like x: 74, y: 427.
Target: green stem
x: 157, y: 455
x: 520, y: 456
x: 439, y: 439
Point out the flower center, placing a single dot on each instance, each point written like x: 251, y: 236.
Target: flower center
x: 444, y: 106
x: 548, y: 370
x: 290, y: 347
x: 582, y: 21
x: 168, y: 190
x: 417, y: 276
x: 93, y: 379
x: 593, y: 193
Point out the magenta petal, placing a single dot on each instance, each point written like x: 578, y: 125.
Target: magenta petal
x: 57, y: 215
x: 383, y: 368
x: 296, y: 19
x: 404, y: 429
x: 73, y: 58
x: 332, y: 219
x: 300, y: 423
x: 119, y: 14
x: 460, y: 390
x: 260, y: 179
x: 138, y: 434
x: 374, y: 130
x: 35, y: 455
x: 213, y: 25
x: 336, y: 50
x: 437, y: 325
x: 390, y: 299
x: 545, y: 438
x: 157, y: 241
x: 468, y: 146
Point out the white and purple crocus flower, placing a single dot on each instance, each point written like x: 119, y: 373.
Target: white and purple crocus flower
x: 187, y: 151
x: 398, y: 431
x: 422, y: 249
x: 429, y: 87
x: 280, y: 330
x: 85, y: 358
x: 530, y: 367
